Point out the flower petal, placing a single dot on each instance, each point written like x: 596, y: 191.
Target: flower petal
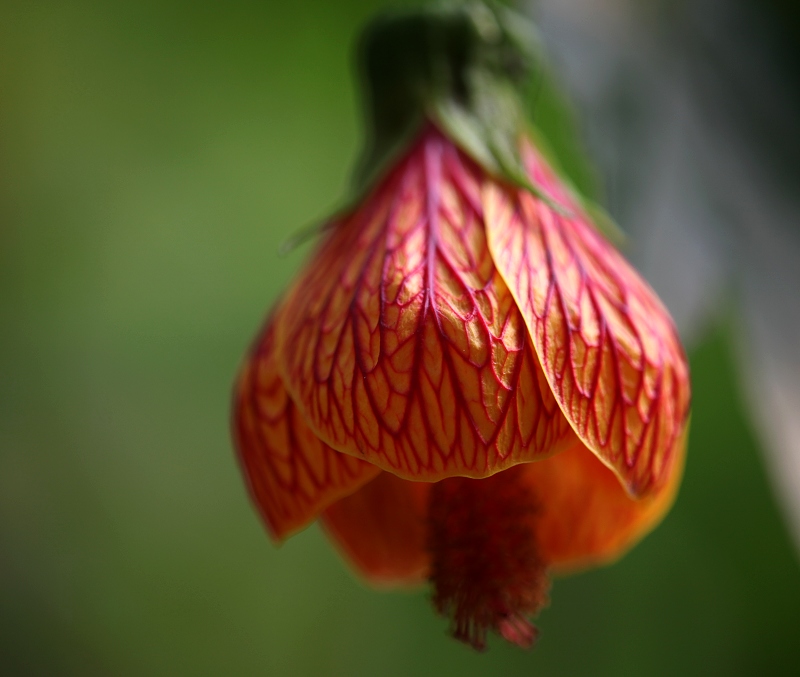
x: 291, y: 474
x: 401, y: 342
x: 381, y: 530
x: 607, y: 345
x: 585, y: 515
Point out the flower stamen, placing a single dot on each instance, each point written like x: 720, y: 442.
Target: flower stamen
x: 486, y: 570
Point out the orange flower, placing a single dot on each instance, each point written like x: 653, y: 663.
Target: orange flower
x: 466, y: 384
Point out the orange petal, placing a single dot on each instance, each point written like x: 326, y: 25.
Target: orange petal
x: 402, y: 344
x: 291, y: 474
x: 380, y: 530
x: 585, y: 516
x: 607, y: 345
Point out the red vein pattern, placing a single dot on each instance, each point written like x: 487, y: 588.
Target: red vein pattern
x: 292, y: 475
x: 607, y: 345
x: 402, y: 344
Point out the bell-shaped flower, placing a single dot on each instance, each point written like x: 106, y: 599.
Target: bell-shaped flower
x: 467, y: 383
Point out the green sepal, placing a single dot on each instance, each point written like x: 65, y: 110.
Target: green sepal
x: 461, y: 66
x: 494, y: 148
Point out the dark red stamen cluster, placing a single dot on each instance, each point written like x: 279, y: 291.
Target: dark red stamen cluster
x: 485, y: 567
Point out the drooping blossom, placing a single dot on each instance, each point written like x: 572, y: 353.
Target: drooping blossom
x: 466, y: 384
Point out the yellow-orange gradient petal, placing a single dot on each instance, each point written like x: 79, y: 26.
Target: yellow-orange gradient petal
x: 585, y: 517
x: 290, y: 473
x: 607, y: 345
x: 381, y: 530
x: 402, y: 344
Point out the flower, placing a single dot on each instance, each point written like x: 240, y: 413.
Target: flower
x: 466, y: 383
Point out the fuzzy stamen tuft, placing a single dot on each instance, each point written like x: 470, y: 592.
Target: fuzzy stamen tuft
x: 485, y: 567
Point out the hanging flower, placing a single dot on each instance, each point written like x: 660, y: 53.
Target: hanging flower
x: 467, y: 384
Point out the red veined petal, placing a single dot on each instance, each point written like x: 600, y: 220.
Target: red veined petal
x: 401, y: 342
x: 607, y: 345
x: 291, y: 474
x: 381, y: 529
x: 585, y: 517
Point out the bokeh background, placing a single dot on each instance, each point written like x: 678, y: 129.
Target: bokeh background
x: 153, y: 156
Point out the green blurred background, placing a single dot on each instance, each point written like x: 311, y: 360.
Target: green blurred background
x: 153, y: 156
